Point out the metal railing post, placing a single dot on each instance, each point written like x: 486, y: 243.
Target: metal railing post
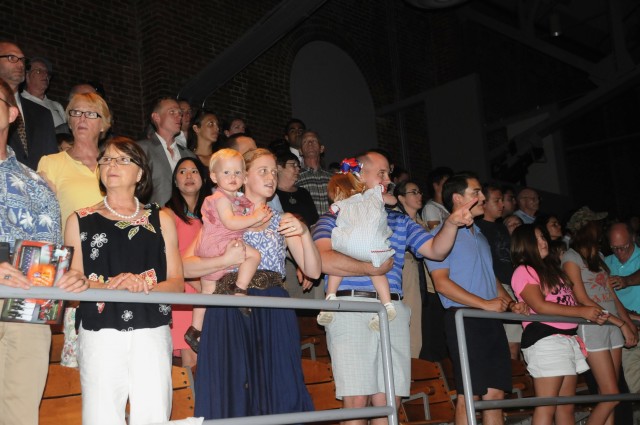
x: 464, y: 363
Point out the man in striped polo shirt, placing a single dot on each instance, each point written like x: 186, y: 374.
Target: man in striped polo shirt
x: 354, y: 348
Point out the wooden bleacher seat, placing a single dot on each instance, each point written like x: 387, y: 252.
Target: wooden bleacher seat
x: 319, y: 381
x: 430, y: 400
x: 522, y: 384
x: 183, y: 403
x: 57, y: 340
x: 62, y: 398
x: 313, y: 339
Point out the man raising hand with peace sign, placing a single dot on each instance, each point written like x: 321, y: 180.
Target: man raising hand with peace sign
x: 465, y: 279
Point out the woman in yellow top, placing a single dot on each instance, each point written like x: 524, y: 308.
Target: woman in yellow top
x: 72, y: 174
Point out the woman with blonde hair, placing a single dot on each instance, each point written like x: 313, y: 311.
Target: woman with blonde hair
x: 250, y: 364
x: 73, y: 177
x: 72, y: 174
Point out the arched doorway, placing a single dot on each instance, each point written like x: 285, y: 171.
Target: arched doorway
x: 330, y: 94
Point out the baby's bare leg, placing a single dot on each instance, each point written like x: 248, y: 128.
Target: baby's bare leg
x: 382, y: 288
x: 248, y: 268
x: 381, y: 284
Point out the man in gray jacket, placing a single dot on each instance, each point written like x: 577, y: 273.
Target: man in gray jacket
x: 161, y: 149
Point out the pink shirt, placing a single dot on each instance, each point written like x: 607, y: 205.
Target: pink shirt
x: 524, y: 276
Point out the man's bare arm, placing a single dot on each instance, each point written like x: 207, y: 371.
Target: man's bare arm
x: 447, y: 287
x: 337, y: 264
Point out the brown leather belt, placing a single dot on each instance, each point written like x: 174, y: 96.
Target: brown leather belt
x: 364, y: 294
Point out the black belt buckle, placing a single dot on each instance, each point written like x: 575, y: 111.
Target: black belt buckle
x: 365, y: 294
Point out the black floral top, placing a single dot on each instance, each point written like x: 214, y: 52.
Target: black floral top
x: 111, y: 247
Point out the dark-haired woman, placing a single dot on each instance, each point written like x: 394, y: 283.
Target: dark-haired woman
x: 190, y: 185
x: 553, y: 352
x: 551, y: 224
x: 124, y: 349
x: 203, y: 134
x: 585, y: 266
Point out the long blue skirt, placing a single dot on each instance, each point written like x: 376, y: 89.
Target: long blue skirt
x: 250, y: 366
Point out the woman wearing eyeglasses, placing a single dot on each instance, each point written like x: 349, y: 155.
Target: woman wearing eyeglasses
x: 72, y: 174
x: 294, y: 200
x: 297, y: 201
x: 416, y: 280
x: 124, y: 349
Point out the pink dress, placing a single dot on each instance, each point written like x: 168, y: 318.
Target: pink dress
x: 187, y: 232
x: 215, y: 237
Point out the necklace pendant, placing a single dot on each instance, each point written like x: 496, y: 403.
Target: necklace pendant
x: 292, y: 200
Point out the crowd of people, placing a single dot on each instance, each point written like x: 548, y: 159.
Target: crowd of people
x: 198, y: 207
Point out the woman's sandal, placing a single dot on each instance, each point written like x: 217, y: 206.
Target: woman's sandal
x: 192, y: 337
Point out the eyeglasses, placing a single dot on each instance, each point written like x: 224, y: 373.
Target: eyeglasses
x: 620, y: 248
x: 292, y: 164
x: 8, y: 104
x: 14, y: 58
x: 87, y: 114
x: 120, y: 160
x: 413, y: 192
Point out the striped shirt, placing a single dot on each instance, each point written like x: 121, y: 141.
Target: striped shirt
x: 407, y: 234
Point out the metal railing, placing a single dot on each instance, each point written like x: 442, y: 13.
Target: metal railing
x: 473, y: 405
x: 390, y: 410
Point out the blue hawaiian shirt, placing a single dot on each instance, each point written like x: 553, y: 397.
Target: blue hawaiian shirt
x: 28, y: 207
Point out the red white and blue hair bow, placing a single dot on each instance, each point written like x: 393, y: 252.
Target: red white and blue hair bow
x: 351, y: 165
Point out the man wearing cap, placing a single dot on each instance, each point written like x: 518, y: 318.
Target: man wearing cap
x: 624, y: 266
x: 38, y: 76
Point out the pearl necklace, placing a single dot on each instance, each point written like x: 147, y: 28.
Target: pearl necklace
x: 117, y: 214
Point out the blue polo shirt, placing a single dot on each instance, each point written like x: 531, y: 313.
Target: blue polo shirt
x: 630, y: 297
x: 407, y: 235
x: 470, y: 265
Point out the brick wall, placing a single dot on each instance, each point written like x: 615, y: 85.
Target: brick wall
x: 145, y: 48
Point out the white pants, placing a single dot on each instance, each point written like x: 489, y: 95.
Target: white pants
x: 118, y: 365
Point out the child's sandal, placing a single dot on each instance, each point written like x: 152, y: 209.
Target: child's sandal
x: 192, y: 338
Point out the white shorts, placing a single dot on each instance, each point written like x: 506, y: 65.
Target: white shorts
x: 555, y: 355
x: 356, y: 357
